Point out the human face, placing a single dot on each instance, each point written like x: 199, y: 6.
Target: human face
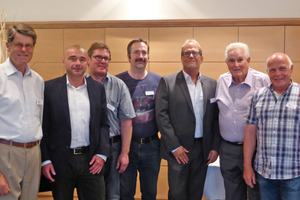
x: 191, y: 62
x: 279, y: 72
x: 21, y: 50
x: 237, y: 64
x: 75, y: 61
x: 96, y: 67
x: 139, y: 55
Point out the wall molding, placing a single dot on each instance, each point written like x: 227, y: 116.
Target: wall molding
x: 162, y: 23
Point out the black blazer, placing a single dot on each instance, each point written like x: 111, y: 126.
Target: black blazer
x: 56, y: 141
x: 175, y: 115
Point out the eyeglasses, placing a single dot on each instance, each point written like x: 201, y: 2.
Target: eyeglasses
x: 19, y: 46
x: 188, y: 53
x: 137, y: 53
x: 100, y: 58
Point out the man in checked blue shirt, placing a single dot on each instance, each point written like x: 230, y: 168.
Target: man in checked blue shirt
x: 274, y: 120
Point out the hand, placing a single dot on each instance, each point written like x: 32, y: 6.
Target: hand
x: 212, y: 156
x: 181, y: 155
x: 122, y: 163
x: 97, y: 165
x: 46, y: 169
x: 249, y: 176
x: 4, y: 188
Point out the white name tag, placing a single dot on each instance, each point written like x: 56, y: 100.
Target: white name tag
x: 149, y: 92
x: 213, y: 100
x: 39, y: 102
x: 292, y: 106
x: 110, y: 107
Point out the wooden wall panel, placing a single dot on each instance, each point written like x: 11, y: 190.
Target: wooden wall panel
x: 262, y: 41
x: 49, y: 46
x: 166, y: 43
x: 292, y: 42
x: 117, y: 68
x: 48, y: 70
x: 213, y: 70
x: 117, y: 40
x: 213, y: 41
x: 164, y: 69
x: 83, y: 37
x: 296, y: 72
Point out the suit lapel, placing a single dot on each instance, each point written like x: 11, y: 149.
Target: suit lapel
x: 92, y: 97
x: 62, y: 89
x: 204, y: 91
x: 185, y: 90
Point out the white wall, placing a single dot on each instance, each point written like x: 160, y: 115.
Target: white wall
x: 76, y: 10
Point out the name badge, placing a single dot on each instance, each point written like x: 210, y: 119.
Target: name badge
x: 149, y: 92
x: 291, y: 105
x: 39, y: 102
x: 110, y: 107
x: 213, y: 100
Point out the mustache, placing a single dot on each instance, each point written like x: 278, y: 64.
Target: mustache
x: 140, y: 59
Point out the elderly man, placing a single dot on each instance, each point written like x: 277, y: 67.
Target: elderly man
x: 273, y: 121
x: 187, y: 117
x: 75, y: 124
x: 21, y: 105
x: 120, y: 113
x: 234, y: 91
x: 144, y: 148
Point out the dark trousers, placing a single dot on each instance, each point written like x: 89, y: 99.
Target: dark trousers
x: 232, y: 169
x: 89, y: 186
x: 186, y: 181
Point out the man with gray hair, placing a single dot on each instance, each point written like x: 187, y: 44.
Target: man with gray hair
x: 187, y: 117
x: 273, y: 121
x: 21, y: 106
x: 234, y: 91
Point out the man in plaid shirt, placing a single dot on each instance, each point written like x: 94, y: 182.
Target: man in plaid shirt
x: 274, y: 120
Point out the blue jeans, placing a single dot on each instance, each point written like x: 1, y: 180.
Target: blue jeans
x: 144, y: 158
x: 279, y: 189
x: 111, y: 175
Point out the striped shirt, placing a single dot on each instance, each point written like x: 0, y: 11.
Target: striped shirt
x: 278, y: 132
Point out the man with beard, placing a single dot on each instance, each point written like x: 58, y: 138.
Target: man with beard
x: 144, y: 149
x: 75, y: 126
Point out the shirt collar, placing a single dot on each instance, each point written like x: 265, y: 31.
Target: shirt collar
x: 10, y: 68
x: 188, y: 77
x: 68, y: 83
x: 108, y: 77
x: 288, y: 91
x: 248, y: 79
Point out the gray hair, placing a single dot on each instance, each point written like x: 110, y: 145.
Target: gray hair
x: 237, y: 45
x: 193, y: 41
x: 288, y: 58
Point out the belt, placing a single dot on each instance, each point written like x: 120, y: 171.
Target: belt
x: 18, y: 144
x: 235, y: 143
x: 79, y: 150
x: 114, y: 139
x: 145, y: 140
x: 198, y: 139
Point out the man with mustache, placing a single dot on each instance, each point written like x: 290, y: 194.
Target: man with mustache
x: 21, y: 106
x: 144, y: 149
x: 187, y: 117
x: 75, y: 126
x: 234, y: 91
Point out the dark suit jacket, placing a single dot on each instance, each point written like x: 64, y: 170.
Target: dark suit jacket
x: 56, y: 141
x: 175, y: 115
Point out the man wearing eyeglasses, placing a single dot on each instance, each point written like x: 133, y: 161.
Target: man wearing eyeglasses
x: 76, y: 131
x: 187, y: 117
x: 144, y: 149
x: 21, y: 106
x: 120, y: 113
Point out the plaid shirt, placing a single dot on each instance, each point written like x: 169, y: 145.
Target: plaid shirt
x: 278, y: 132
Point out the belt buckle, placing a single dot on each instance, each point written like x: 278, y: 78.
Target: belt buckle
x: 141, y: 141
x: 75, y: 153
x: 25, y: 145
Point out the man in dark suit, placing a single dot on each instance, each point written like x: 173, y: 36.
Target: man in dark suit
x: 187, y: 117
x: 75, y: 125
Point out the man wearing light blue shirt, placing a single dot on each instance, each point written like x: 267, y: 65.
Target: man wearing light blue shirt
x: 120, y: 113
x: 21, y: 105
